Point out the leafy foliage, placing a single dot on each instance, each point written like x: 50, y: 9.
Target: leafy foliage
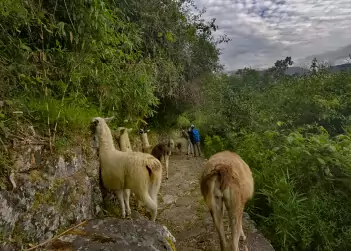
x: 294, y: 134
x: 66, y: 61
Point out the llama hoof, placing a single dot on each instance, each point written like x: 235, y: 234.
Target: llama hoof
x: 243, y: 237
x: 166, y: 178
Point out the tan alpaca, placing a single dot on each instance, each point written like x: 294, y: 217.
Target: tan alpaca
x: 227, y: 181
x: 137, y: 171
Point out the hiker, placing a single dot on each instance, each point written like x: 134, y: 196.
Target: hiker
x: 195, y: 140
x: 190, y: 147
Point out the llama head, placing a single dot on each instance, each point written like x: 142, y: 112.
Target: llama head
x: 142, y: 131
x: 122, y: 130
x: 98, y: 124
x: 171, y: 143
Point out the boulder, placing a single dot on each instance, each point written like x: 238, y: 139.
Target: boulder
x: 110, y: 234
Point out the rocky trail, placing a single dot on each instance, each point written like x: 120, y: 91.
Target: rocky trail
x: 183, y: 212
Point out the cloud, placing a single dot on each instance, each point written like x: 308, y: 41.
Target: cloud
x: 263, y: 31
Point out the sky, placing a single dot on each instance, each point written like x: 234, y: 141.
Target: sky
x: 264, y: 31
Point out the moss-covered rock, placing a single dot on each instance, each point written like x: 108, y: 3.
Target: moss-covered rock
x: 52, y: 193
x: 111, y: 234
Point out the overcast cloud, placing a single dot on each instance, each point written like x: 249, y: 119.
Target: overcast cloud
x: 263, y: 31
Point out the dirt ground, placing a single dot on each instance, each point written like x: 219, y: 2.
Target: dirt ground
x: 183, y: 212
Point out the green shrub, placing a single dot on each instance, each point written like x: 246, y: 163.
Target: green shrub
x: 213, y: 145
x: 302, y: 184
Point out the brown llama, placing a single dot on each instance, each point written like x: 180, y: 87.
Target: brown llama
x: 227, y: 181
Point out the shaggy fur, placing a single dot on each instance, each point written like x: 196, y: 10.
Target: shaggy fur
x: 137, y: 171
x: 124, y: 141
x: 160, y: 151
x: 227, y: 180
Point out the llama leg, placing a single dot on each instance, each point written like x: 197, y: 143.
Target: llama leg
x: 238, y: 228
x: 166, y: 158
x: 139, y: 204
x: 217, y: 213
x: 150, y: 204
x: 154, y: 188
x: 235, y: 211
x: 242, y: 234
x: 126, y: 196
x: 119, y: 194
x: 223, y: 208
x: 103, y: 190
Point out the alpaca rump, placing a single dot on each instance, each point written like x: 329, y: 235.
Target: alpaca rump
x: 139, y: 172
x: 227, y: 181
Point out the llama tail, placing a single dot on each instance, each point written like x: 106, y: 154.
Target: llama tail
x: 220, y: 173
x: 154, y: 168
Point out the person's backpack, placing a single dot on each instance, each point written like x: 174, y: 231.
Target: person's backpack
x: 196, y: 135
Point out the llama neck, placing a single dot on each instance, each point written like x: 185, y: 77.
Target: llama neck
x: 124, y: 142
x: 145, y: 140
x: 105, y: 140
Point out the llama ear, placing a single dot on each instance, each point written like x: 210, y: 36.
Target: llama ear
x: 148, y: 130
x: 95, y: 121
x: 129, y: 129
x: 109, y: 119
x: 120, y: 129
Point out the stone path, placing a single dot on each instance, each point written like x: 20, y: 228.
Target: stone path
x: 182, y: 210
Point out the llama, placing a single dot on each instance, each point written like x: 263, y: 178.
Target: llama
x: 146, y: 147
x: 227, y: 180
x: 137, y: 171
x: 160, y: 151
x: 180, y: 143
x: 124, y: 141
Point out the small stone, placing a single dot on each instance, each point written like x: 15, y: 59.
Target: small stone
x: 169, y: 199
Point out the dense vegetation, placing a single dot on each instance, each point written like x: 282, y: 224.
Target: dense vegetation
x: 294, y: 133
x: 63, y: 62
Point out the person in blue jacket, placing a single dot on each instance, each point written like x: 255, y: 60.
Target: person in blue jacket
x: 195, y: 139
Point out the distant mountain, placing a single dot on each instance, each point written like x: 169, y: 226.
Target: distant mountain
x: 341, y: 67
x: 336, y: 56
x: 296, y: 70
x: 301, y: 71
